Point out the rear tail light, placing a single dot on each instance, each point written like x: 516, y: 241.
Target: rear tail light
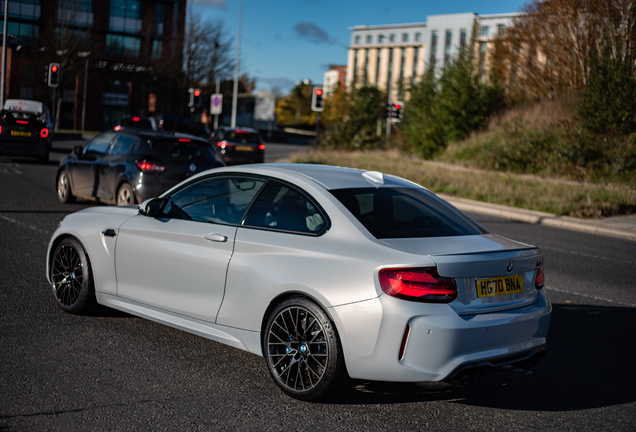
x: 0, y: 129
x: 261, y: 147
x: 118, y: 128
x: 184, y: 140
x: 418, y: 284
x: 150, y: 167
x: 224, y: 144
x: 44, y: 133
x: 22, y: 122
x: 538, y: 281
x: 135, y: 119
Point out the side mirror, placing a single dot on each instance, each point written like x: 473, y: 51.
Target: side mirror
x: 151, y: 207
x: 77, y: 150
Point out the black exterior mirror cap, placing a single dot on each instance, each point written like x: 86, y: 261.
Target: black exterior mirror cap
x: 152, y: 207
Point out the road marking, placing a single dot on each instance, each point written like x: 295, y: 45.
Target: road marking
x: 24, y: 225
x: 587, y: 255
x: 592, y: 297
x: 14, y: 168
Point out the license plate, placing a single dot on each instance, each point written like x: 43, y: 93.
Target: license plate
x: 243, y: 148
x: 20, y: 133
x: 499, y: 286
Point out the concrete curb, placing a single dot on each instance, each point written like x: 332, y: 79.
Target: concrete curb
x: 626, y: 232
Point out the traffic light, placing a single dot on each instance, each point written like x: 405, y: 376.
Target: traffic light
x: 317, y: 99
x: 398, y: 108
x: 53, y: 79
x: 197, y: 98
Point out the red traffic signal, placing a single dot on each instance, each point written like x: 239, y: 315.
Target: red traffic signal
x: 317, y: 99
x: 54, y: 68
x: 318, y: 91
x: 53, y: 78
x: 197, y: 93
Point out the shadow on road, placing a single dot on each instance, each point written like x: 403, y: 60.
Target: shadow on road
x: 590, y: 364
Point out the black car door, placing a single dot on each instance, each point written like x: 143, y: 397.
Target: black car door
x: 85, y: 169
x: 113, y: 165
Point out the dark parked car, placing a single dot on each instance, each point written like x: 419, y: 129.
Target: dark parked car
x: 129, y: 166
x: 137, y: 122
x: 239, y: 145
x: 26, y: 129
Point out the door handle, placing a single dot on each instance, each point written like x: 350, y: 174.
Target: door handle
x: 109, y: 233
x: 215, y: 237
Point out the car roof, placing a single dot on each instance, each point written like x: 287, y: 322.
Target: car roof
x: 24, y: 105
x: 232, y: 129
x: 329, y: 177
x: 157, y: 135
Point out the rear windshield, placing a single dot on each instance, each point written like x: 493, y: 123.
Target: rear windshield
x: 242, y: 137
x: 404, y: 213
x: 20, y: 117
x: 173, y: 148
x: 140, y: 124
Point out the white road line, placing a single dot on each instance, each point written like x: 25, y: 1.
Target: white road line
x: 587, y: 255
x: 592, y: 297
x: 23, y: 224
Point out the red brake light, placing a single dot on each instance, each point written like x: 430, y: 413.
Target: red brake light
x: 135, y: 118
x: 418, y: 284
x: 0, y: 129
x: 118, y: 128
x: 22, y: 121
x: 44, y: 133
x: 224, y: 144
x: 184, y: 140
x: 538, y: 281
x: 147, y: 166
x: 242, y: 131
x: 261, y: 147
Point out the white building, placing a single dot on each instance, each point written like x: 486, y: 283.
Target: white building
x: 404, y: 51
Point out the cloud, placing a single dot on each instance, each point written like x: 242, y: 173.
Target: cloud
x: 221, y: 4
x: 281, y: 83
x: 313, y: 33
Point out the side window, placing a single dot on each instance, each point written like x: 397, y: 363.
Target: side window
x: 122, y: 145
x: 216, y: 199
x: 99, y: 145
x: 283, y: 208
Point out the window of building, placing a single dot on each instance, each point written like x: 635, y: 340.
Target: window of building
x: 75, y: 12
x: 405, y: 37
x: 125, y: 16
x: 448, y: 46
x: 463, y: 34
x: 26, y: 34
x: 433, y: 46
x: 501, y: 28
x: 418, y: 37
x: 160, y: 16
x: 122, y: 45
x: 157, y: 47
x: 416, y: 52
x: 80, y: 39
x: 392, y: 38
x: 369, y: 39
x: 357, y: 40
x: 381, y: 38
x: 485, y: 30
x: 26, y: 9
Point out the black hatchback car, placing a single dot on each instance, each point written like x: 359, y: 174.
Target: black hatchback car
x: 129, y: 166
x: 239, y: 145
x: 26, y: 129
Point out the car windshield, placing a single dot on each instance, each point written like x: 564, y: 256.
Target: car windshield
x: 182, y: 149
x: 402, y: 212
x: 242, y: 137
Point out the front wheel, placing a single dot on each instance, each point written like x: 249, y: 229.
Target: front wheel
x: 72, y: 278
x: 125, y: 195
x: 303, y: 351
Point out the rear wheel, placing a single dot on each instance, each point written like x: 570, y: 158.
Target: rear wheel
x: 72, y: 278
x: 303, y: 352
x: 64, y: 193
x: 125, y: 195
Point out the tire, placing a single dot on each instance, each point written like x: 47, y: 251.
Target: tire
x: 125, y: 195
x: 72, y: 278
x: 64, y: 193
x: 303, y: 351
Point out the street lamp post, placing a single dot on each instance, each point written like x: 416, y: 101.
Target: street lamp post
x: 5, y: 37
x: 236, y: 66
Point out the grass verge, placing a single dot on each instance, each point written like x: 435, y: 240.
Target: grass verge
x: 521, y: 191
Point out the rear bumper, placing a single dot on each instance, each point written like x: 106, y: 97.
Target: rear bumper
x: 438, y: 344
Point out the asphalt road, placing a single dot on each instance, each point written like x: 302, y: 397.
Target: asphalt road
x: 113, y: 371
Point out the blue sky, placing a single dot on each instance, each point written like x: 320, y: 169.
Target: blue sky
x: 285, y: 41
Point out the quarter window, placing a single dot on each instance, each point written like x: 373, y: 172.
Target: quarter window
x: 99, y: 146
x: 122, y: 145
x: 280, y: 207
x: 222, y: 199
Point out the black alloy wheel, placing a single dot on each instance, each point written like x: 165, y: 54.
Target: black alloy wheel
x: 72, y: 278
x: 64, y: 193
x: 303, y: 352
